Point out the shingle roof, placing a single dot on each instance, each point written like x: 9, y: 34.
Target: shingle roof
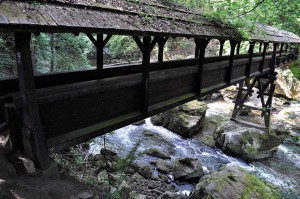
x: 128, y: 17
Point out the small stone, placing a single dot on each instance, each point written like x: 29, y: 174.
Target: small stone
x: 5, y: 193
x: 155, y: 177
x: 187, y: 169
x: 157, y: 153
x: 148, y: 133
x: 163, y: 166
x: 134, y: 195
x: 108, y: 152
x: 86, y: 195
x: 7, y: 170
x: 245, y: 111
x: 139, y: 123
x: 98, y: 157
x: 145, y: 171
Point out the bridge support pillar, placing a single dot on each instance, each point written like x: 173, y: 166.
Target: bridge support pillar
x: 33, y: 136
x: 266, y: 87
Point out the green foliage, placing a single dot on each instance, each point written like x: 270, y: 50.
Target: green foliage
x: 295, y: 68
x: 71, y: 52
x: 122, y: 46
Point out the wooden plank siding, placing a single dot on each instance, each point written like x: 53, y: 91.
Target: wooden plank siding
x: 75, y: 112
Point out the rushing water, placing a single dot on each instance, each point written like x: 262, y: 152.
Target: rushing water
x: 124, y: 139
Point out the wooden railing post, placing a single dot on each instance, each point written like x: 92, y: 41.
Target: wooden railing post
x: 34, y: 139
x: 261, y: 67
x: 221, y: 47
x: 238, y: 48
x: 260, y: 46
x: 146, y: 47
x: 202, y: 44
x: 161, y: 44
x: 274, y: 58
x: 99, y: 43
x: 231, y: 58
x: 250, y: 51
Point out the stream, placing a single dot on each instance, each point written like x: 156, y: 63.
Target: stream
x: 282, y: 170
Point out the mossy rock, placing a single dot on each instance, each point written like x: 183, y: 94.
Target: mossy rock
x: 233, y: 182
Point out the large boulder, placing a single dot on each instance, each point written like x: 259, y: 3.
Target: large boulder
x: 233, y: 182
x: 290, y: 115
x: 287, y: 84
x: 244, y: 142
x: 187, y: 169
x: 7, y: 170
x: 184, y: 120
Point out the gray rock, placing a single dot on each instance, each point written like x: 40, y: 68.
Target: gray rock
x: 157, y: 153
x: 145, y: 171
x: 184, y: 120
x: 86, y: 195
x: 232, y: 182
x: 124, y: 189
x: 148, y: 133
x: 281, y: 129
x: 244, y: 142
x: 187, y: 169
x: 5, y: 193
x: 108, y: 152
x: 26, y: 164
x: 139, y: 123
x: 109, y: 155
x: 7, y: 170
x: 245, y: 111
x: 171, y: 195
x: 134, y: 195
x: 163, y: 166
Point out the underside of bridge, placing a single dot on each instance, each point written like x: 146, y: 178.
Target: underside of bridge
x: 48, y: 113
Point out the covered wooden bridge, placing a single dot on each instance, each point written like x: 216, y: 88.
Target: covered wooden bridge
x: 51, y: 112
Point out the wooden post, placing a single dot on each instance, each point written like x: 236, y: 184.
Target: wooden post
x: 261, y: 67
x: 34, y: 139
x: 260, y: 46
x: 161, y: 44
x: 202, y: 44
x: 250, y: 51
x: 197, y: 50
x: 146, y: 47
x: 238, y: 48
x: 100, y: 45
x: 146, y: 71
x: 231, y: 58
x: 221, y: 47
x: 273, y: 63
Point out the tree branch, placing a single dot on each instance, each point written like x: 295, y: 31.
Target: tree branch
x: 251, y: 10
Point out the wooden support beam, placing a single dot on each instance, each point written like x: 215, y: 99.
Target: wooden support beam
x: 146, y: 46
x: 99, y: 43
x: 197, y: 50
x: 260, y: 46
x: 261, y: 66
x: 281, y: 49
x: 161, y: 44
x: 250, y: 51
x: 231, y: 58
x: 34, y: 138
x: 274, y: 58
x: 238, y: 48
x: 221, y: 47
x: 202, y: 44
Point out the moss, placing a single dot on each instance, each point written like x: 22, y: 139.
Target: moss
x: 258, y: 189
x: 295, y: 68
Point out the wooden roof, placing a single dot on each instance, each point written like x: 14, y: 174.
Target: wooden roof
x: 128, y: 17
